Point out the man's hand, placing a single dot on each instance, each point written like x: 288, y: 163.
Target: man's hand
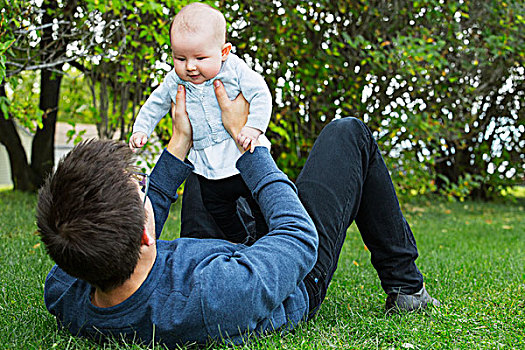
x: 182, y: 135
x: 234, y: 113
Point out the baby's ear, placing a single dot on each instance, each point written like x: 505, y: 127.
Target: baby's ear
x: 226, y: 48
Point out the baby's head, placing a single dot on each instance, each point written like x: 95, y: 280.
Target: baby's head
x: 198, y: 42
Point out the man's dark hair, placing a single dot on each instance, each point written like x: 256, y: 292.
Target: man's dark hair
x: 90, y: 215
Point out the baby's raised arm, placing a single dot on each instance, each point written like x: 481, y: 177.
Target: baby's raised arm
x: 154, y: 109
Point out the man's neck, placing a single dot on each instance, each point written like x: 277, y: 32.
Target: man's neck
x: 124, y: 291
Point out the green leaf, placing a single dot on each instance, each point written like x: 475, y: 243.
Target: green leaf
x: 4, y: 108
x: 4, y: 46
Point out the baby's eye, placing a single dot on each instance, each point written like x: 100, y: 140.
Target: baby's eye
x: 182, y: 59
x: 201, y: 58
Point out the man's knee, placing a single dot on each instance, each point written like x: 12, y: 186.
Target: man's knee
x: 347, y: 127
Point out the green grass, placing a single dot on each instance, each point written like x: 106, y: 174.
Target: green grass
x: 471, y: 254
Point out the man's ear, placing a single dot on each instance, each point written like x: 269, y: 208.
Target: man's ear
x: 146, y: 239
x: 226, y: 48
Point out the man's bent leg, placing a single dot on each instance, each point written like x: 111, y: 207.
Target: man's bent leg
x: 220, y: 199
x: 345, y: 179
x: 196, y: 221
x: 261, y: 228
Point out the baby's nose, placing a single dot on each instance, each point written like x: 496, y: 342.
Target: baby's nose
x: 190, y: 65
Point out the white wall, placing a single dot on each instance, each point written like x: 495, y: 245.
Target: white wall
x: 62, y: 147
x: 5, y: 167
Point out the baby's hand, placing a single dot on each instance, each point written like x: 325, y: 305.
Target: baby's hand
x: 247, y: 137
x: 137, y: 140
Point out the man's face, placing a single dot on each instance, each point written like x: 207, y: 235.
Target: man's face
x: 197, y: 57
x: 148, y: 208
x: 150, y: 216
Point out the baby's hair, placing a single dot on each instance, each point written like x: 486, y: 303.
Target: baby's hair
x: 197, y: 17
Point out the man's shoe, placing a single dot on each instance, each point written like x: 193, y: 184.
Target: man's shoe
x: 410, y: 302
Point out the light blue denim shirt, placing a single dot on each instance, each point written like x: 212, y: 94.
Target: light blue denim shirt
x: 202, y: 106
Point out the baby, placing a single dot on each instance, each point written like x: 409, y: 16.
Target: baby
x: 200, y: 56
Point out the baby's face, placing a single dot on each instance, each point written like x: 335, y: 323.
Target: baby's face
x: 197, y: 57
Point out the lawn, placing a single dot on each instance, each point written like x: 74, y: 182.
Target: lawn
x: 472, y: 255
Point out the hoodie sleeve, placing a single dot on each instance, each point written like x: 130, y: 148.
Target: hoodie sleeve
x: 169, y: 173
x: 264, y: 275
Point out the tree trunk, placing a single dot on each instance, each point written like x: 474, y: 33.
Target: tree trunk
x: 43, y: 147
x: 22, y: 175
x: 30, y: 177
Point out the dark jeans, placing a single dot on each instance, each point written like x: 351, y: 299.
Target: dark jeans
x: 344, y: 180
x: 220, y: 199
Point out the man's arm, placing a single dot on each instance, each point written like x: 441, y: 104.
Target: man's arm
x: 264, y: 275
x: 171, y: 170
x: 269, y: 271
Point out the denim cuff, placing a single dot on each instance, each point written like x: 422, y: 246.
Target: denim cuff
x: 258, y: 169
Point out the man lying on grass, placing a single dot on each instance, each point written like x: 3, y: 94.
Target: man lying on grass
x: 115, y: 278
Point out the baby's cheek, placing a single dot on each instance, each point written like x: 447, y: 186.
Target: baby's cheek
x: 214, y: 68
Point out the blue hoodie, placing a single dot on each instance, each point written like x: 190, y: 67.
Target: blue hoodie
x: 206, y: 289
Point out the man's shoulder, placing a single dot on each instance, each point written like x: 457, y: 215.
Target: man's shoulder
x: 58, y: 278
x: 58, y: 282
x: 64, y: 292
